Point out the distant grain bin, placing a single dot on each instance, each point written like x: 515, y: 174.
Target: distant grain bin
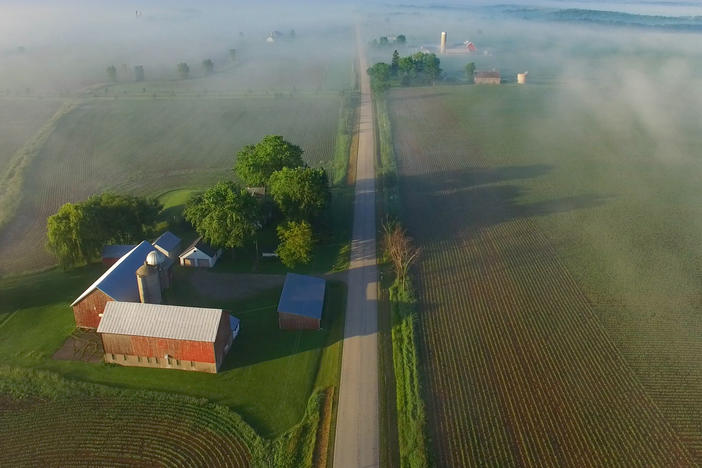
x: 442, y: 48
x: 149, y: 278
x: 521, y: 77
x: 487, y: 77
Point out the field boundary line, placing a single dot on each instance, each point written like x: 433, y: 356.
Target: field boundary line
x: 12, y: 181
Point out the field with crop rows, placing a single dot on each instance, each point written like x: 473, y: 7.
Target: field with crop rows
x: 148, y: 146
x: 533, y: 352
x: 115, y: 432
x: 19, y: 120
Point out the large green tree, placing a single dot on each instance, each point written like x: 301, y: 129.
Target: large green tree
x: 111, y: 72
x: 470, y: 71
x: 225, y: 215
x: 78, y: 231
x: 300, y: 193
x: 295, y: 243
x: 183, y: 70
x: 255, y: 163
x: 208, y: 66
x: 380, y: 76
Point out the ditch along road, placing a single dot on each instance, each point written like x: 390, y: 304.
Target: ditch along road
x: 357, y: 427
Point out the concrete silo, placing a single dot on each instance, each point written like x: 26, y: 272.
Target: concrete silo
x: 442, y: 48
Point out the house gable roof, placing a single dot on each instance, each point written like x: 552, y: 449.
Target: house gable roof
x: 160, y: 321
x: 202, y: 246
x: 119, y: 281
x: 167, y: 241
x: 302, y: 295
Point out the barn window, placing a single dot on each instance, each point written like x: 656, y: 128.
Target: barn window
x: 177, y: 362
x: 124, y: 357
x: 192, y: 363
x: 113, y: 356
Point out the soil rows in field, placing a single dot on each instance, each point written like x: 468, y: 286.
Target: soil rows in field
x: 150, y: 146
x: 517, y: 368
x: 110, y: 432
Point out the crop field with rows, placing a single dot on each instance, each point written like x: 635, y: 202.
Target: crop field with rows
x: 116, y: 432
x: 558, y: 321
x: 148, y: 146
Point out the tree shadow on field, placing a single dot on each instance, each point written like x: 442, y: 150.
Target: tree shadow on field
x: 450, y: 205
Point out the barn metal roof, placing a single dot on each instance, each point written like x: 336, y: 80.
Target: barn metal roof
x: 167, y: 241
x: 116, y: 251
x: 119, y: 282
x: 160, y: 321
x: 302, y: 295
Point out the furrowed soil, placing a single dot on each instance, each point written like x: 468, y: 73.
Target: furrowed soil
x: 543, y: 339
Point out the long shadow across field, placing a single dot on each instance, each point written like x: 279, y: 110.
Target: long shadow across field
x: 467, y: 201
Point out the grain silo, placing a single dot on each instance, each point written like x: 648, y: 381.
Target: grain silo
x: 149, y: 278
x: 521, y: 77
x: 442, y: 48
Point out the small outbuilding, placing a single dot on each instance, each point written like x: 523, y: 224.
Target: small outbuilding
x: 168, y: 244
x: 165, y: 336
x: 200, y: 254
x: 112, y: 253
x: 487, y: 77
x: 301, y: 302
x: 118, y: 283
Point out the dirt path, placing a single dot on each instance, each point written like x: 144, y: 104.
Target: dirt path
x: 357, y: 427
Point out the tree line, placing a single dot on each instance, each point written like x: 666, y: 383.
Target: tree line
x: 417, y: 69
x: 182, y: 68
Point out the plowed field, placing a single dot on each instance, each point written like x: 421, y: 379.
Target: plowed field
x: 519, y: 367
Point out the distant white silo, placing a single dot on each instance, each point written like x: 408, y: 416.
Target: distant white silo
x: 442, y: 48
x: 521, y: 77
x: 149, y: 278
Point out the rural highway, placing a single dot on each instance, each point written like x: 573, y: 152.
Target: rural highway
x: 357, y: 428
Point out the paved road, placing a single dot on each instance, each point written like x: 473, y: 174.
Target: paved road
x: 357, y: 428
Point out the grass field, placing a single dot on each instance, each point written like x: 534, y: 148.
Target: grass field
x: 267, y: 384
x: 559, y: 307
x: 149, y: 146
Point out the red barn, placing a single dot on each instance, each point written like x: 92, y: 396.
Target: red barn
x: 173, y: 337
x: 118, y: 283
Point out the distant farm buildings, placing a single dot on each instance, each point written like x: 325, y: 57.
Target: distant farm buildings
x: 200, y: 254
x: 487, y: 77
x: 522, y: 77
x: 174, y: 337
x: 301, y: 302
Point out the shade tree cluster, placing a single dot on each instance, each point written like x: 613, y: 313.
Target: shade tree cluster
x: 229, y: 215
x: 385, y: 41
x: 417, y: 69
x: 78, y: 231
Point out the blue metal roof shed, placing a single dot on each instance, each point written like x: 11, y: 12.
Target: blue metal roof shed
x: 167, y: 241
x: 301, y: 302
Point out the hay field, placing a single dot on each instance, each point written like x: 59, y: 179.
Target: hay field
x: 148, y: 146
x: 558, y: 289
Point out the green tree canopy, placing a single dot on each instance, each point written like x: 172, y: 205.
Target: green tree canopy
x: 111, y: 72
x: 232, y: 54
x: 470, y: 71
x: 395, y: 64
x: 208, y: 66
x: 139, y: 73
x: 255, y: 163
x: 300, y: 193
x: 295, y: 243
x: 225, y: 215
x: 401, y: 39
x: 380, y: 76
x: 183, y: 70
x: 78, y: 231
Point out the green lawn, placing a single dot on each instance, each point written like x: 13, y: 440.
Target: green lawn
x: 267, y: 377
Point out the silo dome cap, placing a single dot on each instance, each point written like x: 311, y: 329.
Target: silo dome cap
x: 155, y: 258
